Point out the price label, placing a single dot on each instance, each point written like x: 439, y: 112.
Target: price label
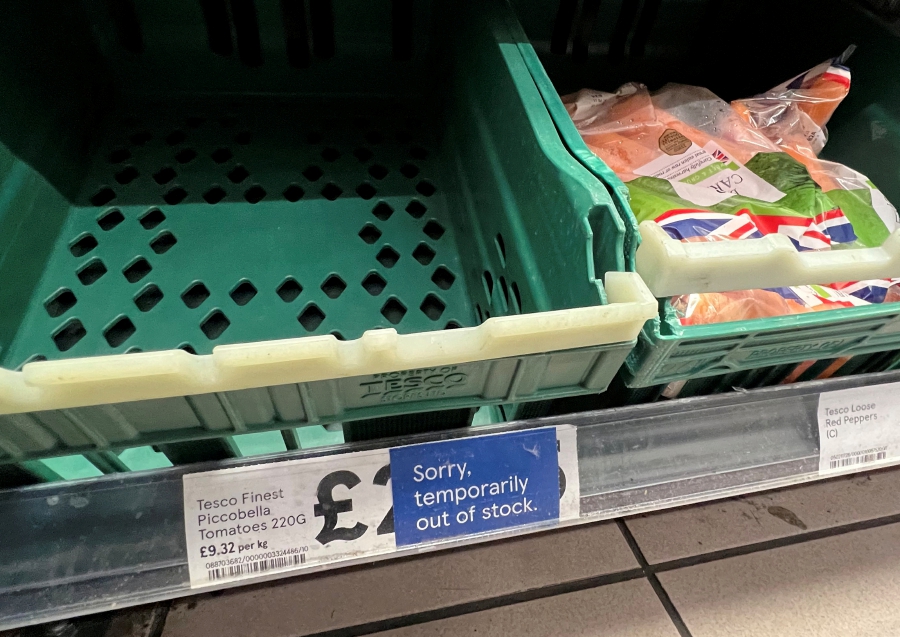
x: 251, y: 521
x: 858, y: 428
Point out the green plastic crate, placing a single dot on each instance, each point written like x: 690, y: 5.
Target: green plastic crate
x: 225, y: 217
x: 602, y: 46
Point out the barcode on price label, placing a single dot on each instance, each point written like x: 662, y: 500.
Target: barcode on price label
x: 858, y: 428
x: 862, y: 459
x: 258, y: 520
x: 255, y: 567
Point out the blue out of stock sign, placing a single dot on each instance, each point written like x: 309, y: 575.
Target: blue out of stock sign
x: 474, y: 485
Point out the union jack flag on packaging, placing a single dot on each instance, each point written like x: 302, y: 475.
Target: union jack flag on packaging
x: 816, y: 233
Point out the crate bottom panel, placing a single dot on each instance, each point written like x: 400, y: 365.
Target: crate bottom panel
x: 198, y: 227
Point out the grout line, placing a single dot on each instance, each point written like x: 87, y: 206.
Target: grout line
x: 467, y: 608
x: 756, y: 547
x: 657, y: 586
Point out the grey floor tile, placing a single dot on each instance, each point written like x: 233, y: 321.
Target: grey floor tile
x: 307, y: 605
x: 846, y: 585
x: 689, y: 531
x: 627, y: 609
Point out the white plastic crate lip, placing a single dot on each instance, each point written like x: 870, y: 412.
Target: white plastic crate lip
x: 120, y: 378
x: 671, y: 267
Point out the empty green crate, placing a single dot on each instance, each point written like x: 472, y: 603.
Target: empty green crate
x: 220, y: 217
x: 736, y: 49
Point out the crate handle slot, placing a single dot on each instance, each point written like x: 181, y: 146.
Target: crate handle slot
x: 562, y: 26
x: 128, y: 27
x: 147, y: 375
x: 644, y: 26
x: 218, y: 26
x: 623, y: 27
x: 246, y: 30
x: 402, y: 31
x: 671, y: 267
x: 296, y: 32
x: 585, y: 29
x: 321, y: 15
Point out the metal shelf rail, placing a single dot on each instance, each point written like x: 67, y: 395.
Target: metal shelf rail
x: 92, y: 545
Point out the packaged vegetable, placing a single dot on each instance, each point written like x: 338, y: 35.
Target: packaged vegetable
x: 706, y: 170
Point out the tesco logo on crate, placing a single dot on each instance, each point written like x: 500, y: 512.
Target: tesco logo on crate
x: 785, y: 350
x: 414, y: 384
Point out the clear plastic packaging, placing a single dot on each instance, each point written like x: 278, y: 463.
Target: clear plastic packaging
x: 706, y: 170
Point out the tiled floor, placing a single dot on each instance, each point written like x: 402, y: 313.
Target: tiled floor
x: 819, y: 559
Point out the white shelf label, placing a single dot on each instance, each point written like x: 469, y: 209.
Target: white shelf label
x: 859, y: 428
x: 251, y: 521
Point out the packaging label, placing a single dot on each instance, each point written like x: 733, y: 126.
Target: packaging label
x: 705, y: 176
x: 858, y: 428
x: 249, y: 521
